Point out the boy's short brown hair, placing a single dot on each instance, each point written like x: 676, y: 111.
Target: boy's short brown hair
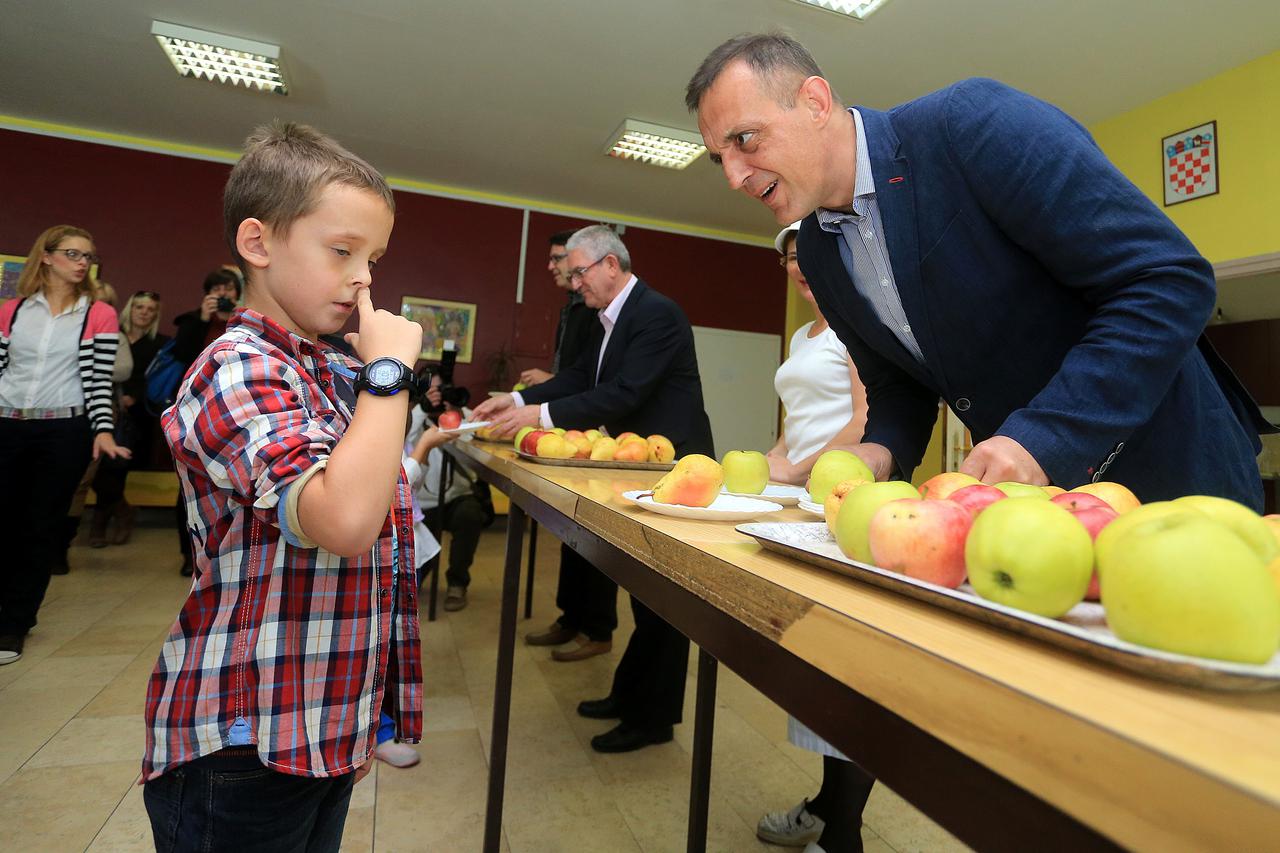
x: 281, y: 175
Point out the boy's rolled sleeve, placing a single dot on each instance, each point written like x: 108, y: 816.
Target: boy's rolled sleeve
x: 249, y: 428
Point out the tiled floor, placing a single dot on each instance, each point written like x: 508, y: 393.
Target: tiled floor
x: 71, y: 736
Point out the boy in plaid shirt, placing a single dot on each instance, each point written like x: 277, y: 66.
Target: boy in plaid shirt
x: 301, y: 625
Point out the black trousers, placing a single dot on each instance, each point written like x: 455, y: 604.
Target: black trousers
x: 463, y: 519
x: 649, y: 680
x: 41, y: 463
x: 587, y: 597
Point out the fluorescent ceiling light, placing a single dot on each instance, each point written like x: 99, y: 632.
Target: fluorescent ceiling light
x: 859, y: 10
x: 222, y: 58
x: 654, y: 144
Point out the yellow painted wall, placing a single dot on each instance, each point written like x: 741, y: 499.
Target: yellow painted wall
x: 1243, y: 219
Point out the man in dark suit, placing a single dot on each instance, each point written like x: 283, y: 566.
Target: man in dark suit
x: 639, y: 373
x: 976, y: 245
x: 577, y: 319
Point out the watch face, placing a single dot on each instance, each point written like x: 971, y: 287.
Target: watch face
x: 384, y: 372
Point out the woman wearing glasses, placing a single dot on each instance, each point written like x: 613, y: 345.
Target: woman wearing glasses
x: 140, y: 325
x: 57, y: 349
x: 826, y: 407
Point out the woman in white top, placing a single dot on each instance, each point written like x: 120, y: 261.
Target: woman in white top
x: 825, y: 401
x: 57, y: 350
x: 826, y: 407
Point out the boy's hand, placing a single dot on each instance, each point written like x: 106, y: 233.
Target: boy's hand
x: 383, y: 334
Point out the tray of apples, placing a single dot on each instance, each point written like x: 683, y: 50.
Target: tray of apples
x: 593, y: 449
x: 1186, y: 591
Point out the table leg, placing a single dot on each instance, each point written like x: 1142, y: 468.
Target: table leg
x: 439, y: 534
x: 528, y: 584
x: 502, y: 684
x: 704, y: 724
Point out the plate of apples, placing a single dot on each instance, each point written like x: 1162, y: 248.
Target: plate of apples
x: 693, y: 490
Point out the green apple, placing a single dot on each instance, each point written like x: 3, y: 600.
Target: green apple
x: 836, y: 466
x: 1031, y: 554
x: 521, y: 434
x: 1188, y: 584
x: 1241, y: 520
x: 853, y: 521
x: 745, y: 471
x: 1022, y: 490
x: 519, y: 386
x: 1131, y: 519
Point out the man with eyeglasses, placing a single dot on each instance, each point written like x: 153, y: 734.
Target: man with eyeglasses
x: 639, y: 373
x: 576, y: 318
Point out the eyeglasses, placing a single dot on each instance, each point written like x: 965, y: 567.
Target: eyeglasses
x: 579, y: 272
x: 788, y: 258
x: 557, y: 258
x: 74, y: 255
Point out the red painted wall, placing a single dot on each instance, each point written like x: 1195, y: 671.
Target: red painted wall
x: 157, y: 222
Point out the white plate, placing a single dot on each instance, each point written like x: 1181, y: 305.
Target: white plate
x: 723, y: 508
x: 465, y: 427
x: 785, y: 495
x: 812, y: 508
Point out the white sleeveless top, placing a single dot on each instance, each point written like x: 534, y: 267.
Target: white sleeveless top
x: 814, y: 386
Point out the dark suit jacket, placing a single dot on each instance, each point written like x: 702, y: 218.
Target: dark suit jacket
x: 574, y: 337
x: 648, y: 383
x: 1054, y: 303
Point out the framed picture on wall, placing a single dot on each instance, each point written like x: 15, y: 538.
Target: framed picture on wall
x: 10, y: 268
x: 442, y: 321
x: 1190, y: 160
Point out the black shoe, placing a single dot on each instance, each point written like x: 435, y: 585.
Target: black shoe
x: 11, y: 648
x: 607, y: 708
x: 187, y: 570
x: 624, y: 738
x: 60, y: 565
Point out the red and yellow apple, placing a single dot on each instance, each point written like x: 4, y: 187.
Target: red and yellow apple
x: 1119, y: 497
x: 856, y: 511
x: 529, y: 444
x: 941, y: 486
x: 831, y: 506
x: 922, y: 539
x: 1095, y: 514
x: 634, y: 450
x: 977, y: 498
x: 660, y: 449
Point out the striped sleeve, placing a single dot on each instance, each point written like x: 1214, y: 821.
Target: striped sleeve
x: 97, y: 361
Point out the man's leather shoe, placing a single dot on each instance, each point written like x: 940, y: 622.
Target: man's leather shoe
x: 624, y: 738
x: 586, y: 648
x: 607, y: 708
x: 553, y: 636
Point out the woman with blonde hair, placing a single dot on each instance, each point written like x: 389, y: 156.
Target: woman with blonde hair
x: 140, y: 331
x: 57, y: 350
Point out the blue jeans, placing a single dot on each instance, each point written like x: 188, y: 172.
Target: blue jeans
x: 229, y: 801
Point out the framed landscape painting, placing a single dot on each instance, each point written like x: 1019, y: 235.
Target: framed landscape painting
x: 442, y: 321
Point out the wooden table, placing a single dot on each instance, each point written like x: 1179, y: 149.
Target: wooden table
x: 1007, y: 742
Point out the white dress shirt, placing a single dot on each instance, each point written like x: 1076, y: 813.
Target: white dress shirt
x: 44, y: 357
x: 608, y: 318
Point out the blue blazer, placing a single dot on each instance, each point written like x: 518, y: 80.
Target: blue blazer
x: 1054, y: 303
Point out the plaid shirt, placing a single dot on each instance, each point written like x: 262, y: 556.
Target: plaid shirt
x: 281, y: 645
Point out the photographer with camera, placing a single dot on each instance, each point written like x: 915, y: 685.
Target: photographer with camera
x: 196, y: 330
x: 466, y: 508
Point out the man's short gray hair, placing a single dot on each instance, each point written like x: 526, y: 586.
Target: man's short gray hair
x: 769, y: 56
x: 598, y: 241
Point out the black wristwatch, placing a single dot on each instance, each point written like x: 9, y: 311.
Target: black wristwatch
x: 384, y: 377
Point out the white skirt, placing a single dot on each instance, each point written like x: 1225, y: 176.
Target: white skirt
x: 803, y: 736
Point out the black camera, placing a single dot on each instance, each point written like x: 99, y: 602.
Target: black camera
x: 225, y: 305
x: 450, y: 394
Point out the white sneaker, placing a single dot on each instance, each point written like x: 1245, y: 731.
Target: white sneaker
x: 396, y: 754
x: 795, y: 828
x: 813, y: 847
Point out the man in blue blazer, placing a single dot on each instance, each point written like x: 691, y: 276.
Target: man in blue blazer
x: 975, y: 245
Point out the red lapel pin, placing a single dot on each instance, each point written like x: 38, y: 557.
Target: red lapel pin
x: 897, y: 180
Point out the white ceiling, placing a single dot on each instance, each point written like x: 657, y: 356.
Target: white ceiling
x: 518, y: 97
